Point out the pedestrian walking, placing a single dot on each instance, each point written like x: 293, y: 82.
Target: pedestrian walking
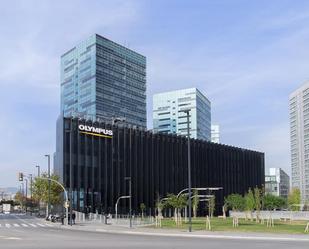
x: 73, y: 218
x: 62, y: 219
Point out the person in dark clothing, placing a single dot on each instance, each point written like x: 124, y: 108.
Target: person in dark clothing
x: 73, y: 218
x: 62, y: 219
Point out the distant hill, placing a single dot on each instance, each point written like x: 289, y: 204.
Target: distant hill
x: 11, y: 190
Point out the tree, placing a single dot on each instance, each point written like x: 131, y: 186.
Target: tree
x: 142, y: 207
x: 306, y: 206
x: 272, y: 202
x: 19, y: 198
x: 258, y: 193
x: 235, y: 202
x: 195, y: 202
x: 224, y: 210
x: 294, y: 199
x: 249, y: 203
x: 159, y: 207
x: 211, y: 206
x: 177, y: 203
x: 40, y: 189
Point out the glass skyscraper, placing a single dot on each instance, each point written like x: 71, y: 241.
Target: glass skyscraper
x: 103, y: 79
x: 215, y: 133
x: 168, y: 115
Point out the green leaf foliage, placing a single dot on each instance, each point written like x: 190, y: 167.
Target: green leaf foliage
x: 175, y: 202
x: 235, y: 201
x: 142, y: 206
x: 249, y: 201
x: 272, y: 202
x: 40, y: 189
x: 294, y: 199
x: 258, y: 194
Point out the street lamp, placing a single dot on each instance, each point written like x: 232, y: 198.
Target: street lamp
x: 26, y: 180
x: 70, y: 173
x: 65, y: 195
x: 130, y: 196
x: 39, y: 170
x: 23, y: 193
x: 116, y: 205
x: 48, y: 209
x: 189, y: 169
x: 30, y: 176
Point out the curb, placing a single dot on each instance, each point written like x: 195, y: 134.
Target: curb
x: 198, y: 236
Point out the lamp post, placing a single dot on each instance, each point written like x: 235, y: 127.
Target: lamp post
x: 130, y: 198
x: 65, y: 195
x: 23, y: 193
x: 189, y: 169
x: 39, y: 170
x: 116, y: 205
x: 71, y: 176
x: 70, y: 173
x: 48, y: 207
x: 30, y: 175
x: 39, y: 174
x: 26, y: 180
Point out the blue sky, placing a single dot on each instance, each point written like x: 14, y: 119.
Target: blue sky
x: 245, y: 56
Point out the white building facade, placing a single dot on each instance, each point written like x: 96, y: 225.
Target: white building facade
x: 168, y: 115
x: 277, y: 182
x: 299, y: 135
x: 215, y: 133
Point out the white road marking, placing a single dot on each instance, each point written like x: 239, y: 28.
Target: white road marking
x: 11, y: 238
x: 32, y: 225
x: 214, y: 236
x: 7, y: 225
x: 24, y: 225
x: 0, y: 225
x: 49, y: 225
x: 40, y: 225
x: 16, y: 225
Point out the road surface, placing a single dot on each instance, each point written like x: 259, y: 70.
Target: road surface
x: 21, y: 231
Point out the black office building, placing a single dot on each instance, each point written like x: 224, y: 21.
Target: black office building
x: 102, y: 155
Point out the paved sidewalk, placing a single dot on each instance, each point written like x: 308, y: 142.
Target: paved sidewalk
x: 149, y: 231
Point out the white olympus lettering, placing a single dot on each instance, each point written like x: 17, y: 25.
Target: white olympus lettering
x: 95, y: 130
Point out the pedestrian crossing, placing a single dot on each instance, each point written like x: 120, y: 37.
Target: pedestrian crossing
x: 24, y: 225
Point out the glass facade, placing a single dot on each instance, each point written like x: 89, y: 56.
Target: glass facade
x: 168, y: 115
x: 100, y: 78
x: 215, y: 133
x: 277, y: 182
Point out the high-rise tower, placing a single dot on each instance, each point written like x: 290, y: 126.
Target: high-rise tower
x: 103, y: 79
x: 168, y: 115
x: 299, y: 128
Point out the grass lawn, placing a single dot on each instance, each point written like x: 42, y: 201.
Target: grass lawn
x: 218, y: 224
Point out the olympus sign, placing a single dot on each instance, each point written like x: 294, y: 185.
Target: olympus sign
x: 95, y: 130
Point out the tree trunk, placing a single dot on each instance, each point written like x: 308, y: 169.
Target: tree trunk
x: 223, y: 212
x: 175, y: 216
